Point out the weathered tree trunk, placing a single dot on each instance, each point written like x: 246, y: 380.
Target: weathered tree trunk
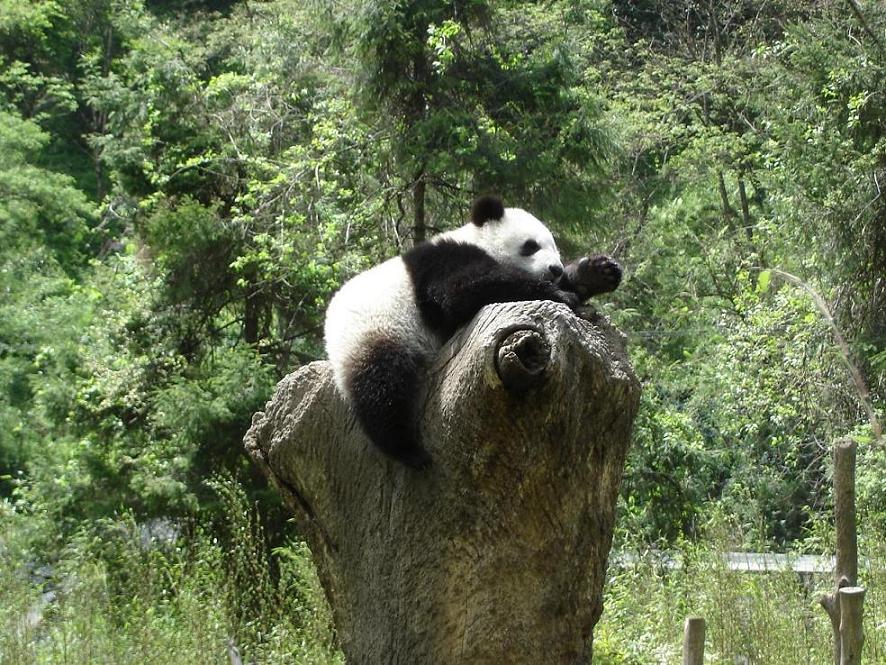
x: 497, y: 553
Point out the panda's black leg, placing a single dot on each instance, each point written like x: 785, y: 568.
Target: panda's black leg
x: 383, y: 387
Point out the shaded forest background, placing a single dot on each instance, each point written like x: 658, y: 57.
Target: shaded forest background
x: 184, y: 184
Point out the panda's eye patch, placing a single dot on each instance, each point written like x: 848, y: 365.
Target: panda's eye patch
x: 529, y: 248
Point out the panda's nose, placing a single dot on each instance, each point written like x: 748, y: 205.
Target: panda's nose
x: 555, y: 270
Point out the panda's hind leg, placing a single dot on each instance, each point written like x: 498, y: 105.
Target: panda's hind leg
x: 383, y: 385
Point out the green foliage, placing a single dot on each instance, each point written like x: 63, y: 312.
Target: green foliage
x: 183, y: 188
x: 484, y: 96
x: 727, y: 177
x: 38, y: 206
x: 771, y: 617
x: 42, y: 313
x: 124, y: 591
x: 758, y: 443
x: 103, y: 417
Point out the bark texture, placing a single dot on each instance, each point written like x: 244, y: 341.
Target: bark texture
x: 497, y: 553
x: 851, y: 623
x: 693, y: 641
x: 846, y: 571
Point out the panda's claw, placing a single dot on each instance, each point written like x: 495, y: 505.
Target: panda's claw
x: 590, y: 276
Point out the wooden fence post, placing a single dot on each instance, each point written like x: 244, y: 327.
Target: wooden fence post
x: 693, y: 641
x: 851, y: 634
x: 846, y: 571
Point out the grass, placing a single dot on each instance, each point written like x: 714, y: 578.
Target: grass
x: 755, y: 618
x: 117, y: 599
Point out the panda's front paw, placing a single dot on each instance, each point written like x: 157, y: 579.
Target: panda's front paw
x: 605, y: 272
x: 590, y: 276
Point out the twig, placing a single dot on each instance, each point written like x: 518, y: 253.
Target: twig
x: 864, y: 24
x: 863, y: 393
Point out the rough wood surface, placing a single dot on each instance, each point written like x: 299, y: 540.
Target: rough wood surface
x: 846, y: 570
x: 851, y: 633
x: 497, y: 553
x: 693, y: 641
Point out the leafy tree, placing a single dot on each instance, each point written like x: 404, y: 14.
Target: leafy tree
x: 479, y: 96
x: 184, y: 186
x: 38, y: 206
x: 723, y: 171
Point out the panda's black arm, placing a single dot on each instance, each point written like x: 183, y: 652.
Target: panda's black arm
x: 463, y: 294
x: 453, y: 281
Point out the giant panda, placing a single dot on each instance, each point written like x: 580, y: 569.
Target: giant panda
x: 385, y: 324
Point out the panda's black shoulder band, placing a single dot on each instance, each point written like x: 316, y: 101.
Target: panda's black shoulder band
x: 487, y: 208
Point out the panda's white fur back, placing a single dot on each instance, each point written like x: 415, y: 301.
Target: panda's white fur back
x: 376, y: 303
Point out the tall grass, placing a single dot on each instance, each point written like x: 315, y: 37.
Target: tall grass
x: 768, y: 618
x: 116, y: 597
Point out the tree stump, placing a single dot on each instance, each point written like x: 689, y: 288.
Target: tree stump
x: 497, y: 552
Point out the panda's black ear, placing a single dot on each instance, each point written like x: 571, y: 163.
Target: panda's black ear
x: 487, y: 208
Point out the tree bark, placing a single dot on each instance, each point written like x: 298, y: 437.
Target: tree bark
x: 693, y: 641
x: 728, y: 211
x: 846, y: 571
x: 497, y: 553
x: 851, y: 633
x: 745, y: 211
x: 419, y: 224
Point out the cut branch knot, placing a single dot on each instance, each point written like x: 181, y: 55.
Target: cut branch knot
x: 522, y: 358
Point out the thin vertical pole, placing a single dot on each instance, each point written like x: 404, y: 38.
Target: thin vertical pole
x: 851, y: 633
x: 693, y: 641
x: 846, y: 571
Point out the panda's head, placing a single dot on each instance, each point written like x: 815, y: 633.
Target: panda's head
x: 514, y: 237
